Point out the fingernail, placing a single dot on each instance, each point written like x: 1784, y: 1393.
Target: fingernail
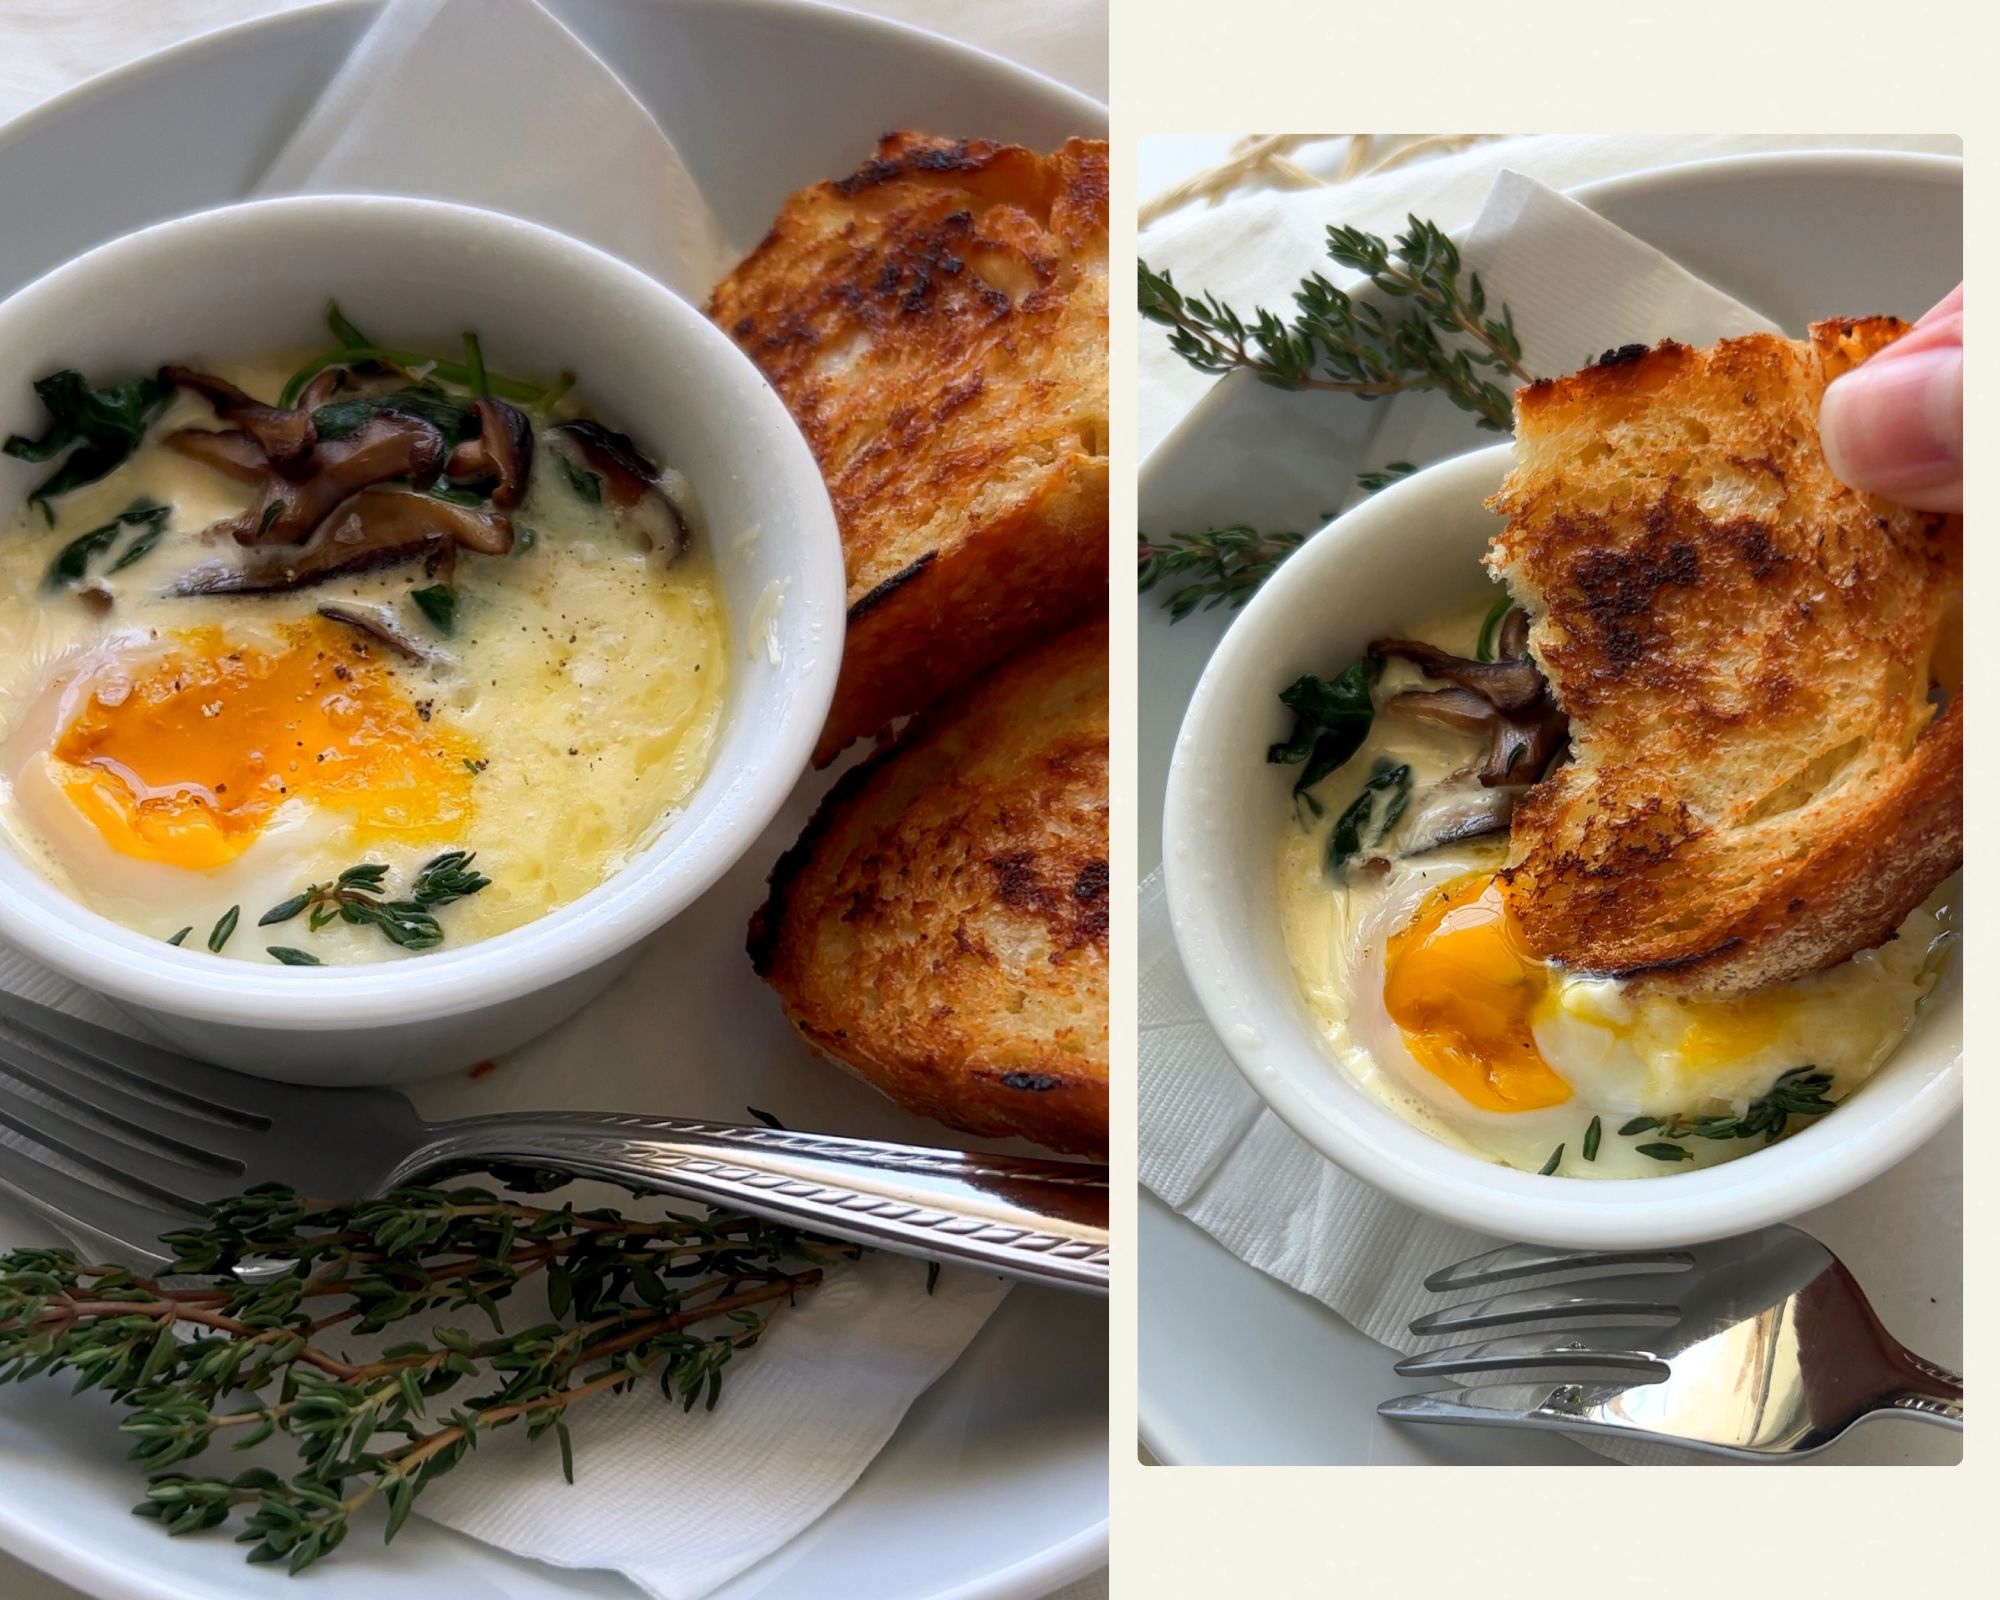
x: 1895, y: 424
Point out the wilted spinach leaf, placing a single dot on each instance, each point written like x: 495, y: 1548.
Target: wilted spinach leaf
x: 1351, y: 823
x: 72, y: 562
x: 104, y: 425
x: 338, y: 419
x: 154, y: 519
x: 1333, y: 717
x: 440, y: 603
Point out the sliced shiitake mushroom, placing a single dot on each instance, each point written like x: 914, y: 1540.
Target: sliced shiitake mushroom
x: 500, y: 456
x: 1523, y: 742
x: 229, y: 451
x: 285, y: 436
x: 368, y: 377
x: 1454, y: 811
x: 379, y: 623
x: 1511, y: 685
x: 377, y: 527
x: 389, y: 445
x: 658, y: 504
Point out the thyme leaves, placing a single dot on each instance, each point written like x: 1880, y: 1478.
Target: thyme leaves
x: 673, y: 1302
x: 359, y: 897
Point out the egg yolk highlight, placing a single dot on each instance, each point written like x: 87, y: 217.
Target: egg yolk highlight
x: 187, y: 763
x: 1463, y: 987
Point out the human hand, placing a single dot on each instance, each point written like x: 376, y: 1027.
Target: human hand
x: 1895, y: 425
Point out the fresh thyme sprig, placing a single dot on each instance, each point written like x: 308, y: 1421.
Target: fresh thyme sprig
x: 1223, y: 566
x: 356, y: 897
x: 1800, y: 1092
x: 211, y: 1360
x: 1436, y: 334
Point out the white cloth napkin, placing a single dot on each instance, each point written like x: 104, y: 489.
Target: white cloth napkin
x: 1209, y: 1147
x: 678, y: 1504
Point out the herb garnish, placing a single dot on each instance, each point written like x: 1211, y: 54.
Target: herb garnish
x: 1388, y: 777
x: 225, y: 925
x: 1439, y: 337
x: 1333, y: 718
x: 286, y: 956
x: 104, y: 425
x: 1549, y: 1166
x: 1436, y: 335
x: 1223, y: 566
x: 439, y: 602
x: 356, y: 897
x: 72, y: 562
x: 1394, y: 472
x: 1801, y: 1092
x: 182, y: 935
x: 1592, y: 1137
x: 672, y: 1301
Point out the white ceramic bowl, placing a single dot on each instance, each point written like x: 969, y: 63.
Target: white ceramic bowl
x: 246, y: 279
x: 1407, y: 553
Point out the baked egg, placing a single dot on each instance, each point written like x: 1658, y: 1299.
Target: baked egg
x: 1417, y: 976
x: 483, y: 671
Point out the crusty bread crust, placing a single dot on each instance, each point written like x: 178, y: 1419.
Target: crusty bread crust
x: 937, y: 325
x: 1758, y: 663
x: 942, y: 926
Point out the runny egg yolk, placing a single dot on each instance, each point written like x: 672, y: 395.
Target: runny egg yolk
x: 1463, y: 987
x: 186, y: 763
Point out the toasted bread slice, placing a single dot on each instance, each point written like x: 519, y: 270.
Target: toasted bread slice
x: 937, y: 324
x: 1759, y: 666
x: 941, y: 927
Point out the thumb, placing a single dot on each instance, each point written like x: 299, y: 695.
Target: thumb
x: 1895, y: 425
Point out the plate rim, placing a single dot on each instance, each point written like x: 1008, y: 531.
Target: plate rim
x: 26, y: 123
x: 107, y: 1573
x: 1927, y: 166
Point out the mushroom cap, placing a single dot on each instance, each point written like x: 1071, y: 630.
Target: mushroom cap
x: 503, y: 452
x: 377, y: 527
x: 285, y: 436
x: 658, y: 504
x: 389, y: 445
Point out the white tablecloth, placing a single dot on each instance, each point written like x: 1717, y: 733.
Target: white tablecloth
x: 48, y: 45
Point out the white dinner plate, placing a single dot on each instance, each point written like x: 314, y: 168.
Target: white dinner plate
x: 1281, y: 1378
x: 995, y: 1486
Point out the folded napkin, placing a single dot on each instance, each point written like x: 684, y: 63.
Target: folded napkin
x: 505, y: 111
x: 1208, y: 1145
x: 494, y: 103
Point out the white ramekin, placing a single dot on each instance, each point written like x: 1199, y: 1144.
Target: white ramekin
x: 251, y: 278
x: 1407, y: 553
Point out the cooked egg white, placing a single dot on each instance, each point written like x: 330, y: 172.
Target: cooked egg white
x: 165, y: 758
x: 1423, y: 987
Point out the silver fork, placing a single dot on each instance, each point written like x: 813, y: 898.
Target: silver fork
x: 117, y: 1141
x: 1760, y: 1347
